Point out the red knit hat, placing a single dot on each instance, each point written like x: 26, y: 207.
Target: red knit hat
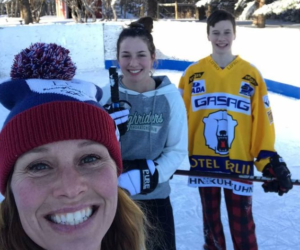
x: 45, y: 111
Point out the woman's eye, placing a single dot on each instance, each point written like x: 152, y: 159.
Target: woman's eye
x: 38, y: 167
x: 90, y: 159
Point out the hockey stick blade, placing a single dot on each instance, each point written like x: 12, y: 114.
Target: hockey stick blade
x: 228, y: 176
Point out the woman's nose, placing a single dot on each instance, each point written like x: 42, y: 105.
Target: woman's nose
x: 70, y: 183
x: 133, y: 62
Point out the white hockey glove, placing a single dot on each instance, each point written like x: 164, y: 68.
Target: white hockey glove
x: 139, y: 176
x: 119, y: 115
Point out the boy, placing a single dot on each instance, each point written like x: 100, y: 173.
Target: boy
x: 230, y: 125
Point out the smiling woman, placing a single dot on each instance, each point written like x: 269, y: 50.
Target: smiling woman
x: 157, y: 117
x: 59, y: 162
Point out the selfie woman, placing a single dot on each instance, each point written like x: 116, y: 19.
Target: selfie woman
x: 60, y: 161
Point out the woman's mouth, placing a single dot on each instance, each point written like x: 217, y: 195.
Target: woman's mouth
x: 135, y: 71
x: 74, y: 218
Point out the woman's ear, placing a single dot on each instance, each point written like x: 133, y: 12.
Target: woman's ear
x: 153, y: 57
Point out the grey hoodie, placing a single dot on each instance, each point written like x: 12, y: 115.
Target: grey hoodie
x: 162, y: 112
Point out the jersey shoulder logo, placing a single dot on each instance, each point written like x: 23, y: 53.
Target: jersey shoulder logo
x: 246, y: 89
x: 219, y: 131
x: 195, y: 76
x: 250, y: 79
x: 266, y: 101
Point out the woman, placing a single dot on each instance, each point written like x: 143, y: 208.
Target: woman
x: 155, y: 143
x: 59, y: 162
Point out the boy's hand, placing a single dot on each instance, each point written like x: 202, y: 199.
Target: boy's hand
x: 277, y: 168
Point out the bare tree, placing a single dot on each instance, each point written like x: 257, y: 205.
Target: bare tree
x: 259, y: 20
x: 50, y: 7
x: 8, y: 5
x: 82, y: 9
x: 30, y: 11
x: 152, y: 8
x: 109, y: 10
x: 36, y: 9
x: 16, y: 9
x: 89, y: 9
x: 113, y: 7
x: 26, y: 11
x: 1, y: 7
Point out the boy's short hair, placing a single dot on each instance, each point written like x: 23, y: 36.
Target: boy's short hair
x: 220, y: 15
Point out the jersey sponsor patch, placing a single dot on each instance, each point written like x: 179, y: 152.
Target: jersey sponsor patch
x: 236, y: 187
x: 266, y: 101
x: 270, y: 116
x: 219, y: 132
x: 221, y: 164
x: 250, y: 79
x: 223, y: 101
x: 195, y: 76
x: 198, y: 74
x: 246, y: 89
x: 198, y: 87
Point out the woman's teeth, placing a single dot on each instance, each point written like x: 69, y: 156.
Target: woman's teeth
x: 72, y: 218
x: 134, y: 71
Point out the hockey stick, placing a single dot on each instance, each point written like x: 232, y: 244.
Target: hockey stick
x: 114, y: 87
x: 229, y: 176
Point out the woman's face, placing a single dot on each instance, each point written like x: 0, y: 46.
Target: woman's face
x: 135, y: 59
x: 66, y: 194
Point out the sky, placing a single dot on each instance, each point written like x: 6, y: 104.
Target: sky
x: 277, y: 218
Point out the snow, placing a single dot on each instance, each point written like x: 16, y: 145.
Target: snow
x: 278, y: 7
x: 277, y: 218
x: 202, y: 3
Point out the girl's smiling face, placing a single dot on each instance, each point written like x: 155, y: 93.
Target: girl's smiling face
x: 66, y: 194
x: 135, y: 60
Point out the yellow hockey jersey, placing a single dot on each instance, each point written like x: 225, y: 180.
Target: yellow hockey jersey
x: 230, y: 120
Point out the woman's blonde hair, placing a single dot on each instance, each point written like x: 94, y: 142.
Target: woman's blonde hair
x: 126, y: 232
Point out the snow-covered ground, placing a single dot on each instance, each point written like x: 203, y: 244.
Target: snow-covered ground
x: 277, y: 218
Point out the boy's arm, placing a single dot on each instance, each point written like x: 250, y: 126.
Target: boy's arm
x: 263, y: 131
x: 263, y: 141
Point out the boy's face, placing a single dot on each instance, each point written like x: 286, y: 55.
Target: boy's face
x: 221, y: 37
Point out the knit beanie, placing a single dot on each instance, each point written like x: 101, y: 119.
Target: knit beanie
x: 46, y: 105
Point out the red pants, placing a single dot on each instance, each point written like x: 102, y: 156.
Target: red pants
x: 239, y: 209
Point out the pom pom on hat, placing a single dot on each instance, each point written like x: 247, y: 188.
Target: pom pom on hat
x: 45, y: 61
x: 43, y: 111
